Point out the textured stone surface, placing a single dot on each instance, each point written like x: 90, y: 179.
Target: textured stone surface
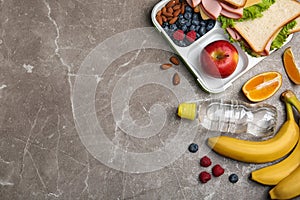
x: 49, y: 151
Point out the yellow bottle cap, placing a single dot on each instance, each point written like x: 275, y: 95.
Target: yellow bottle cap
x: 187, y: 110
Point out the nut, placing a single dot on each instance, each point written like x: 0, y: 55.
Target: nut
x: 172, y: 21
x: 167, y: 14
x: 164, y: 9
x: 159, y: 13
x: 166, y: 66
x: 174, y: 60
x: 159, y: 19
x: 177, y: 7
x: 176, y: 79
x: 182, y: 8
x: 171, y: 3
x: 176, y: 13
x: 164, y: 18
x: 170, y: 10
x: 197, y: 9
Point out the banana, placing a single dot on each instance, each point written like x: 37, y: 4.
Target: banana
x: 271, y: 175
x: 259, y: 151
x: 287, y: 188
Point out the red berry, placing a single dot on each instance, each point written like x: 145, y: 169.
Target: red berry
x: 191, y: 36
x: 178, y: 35
x: 205, y: 161
x: 204, y: 177
x: 217, y: 170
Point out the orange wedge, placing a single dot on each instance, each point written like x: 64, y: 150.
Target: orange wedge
x: 262, y: 86
x: 290, y: 66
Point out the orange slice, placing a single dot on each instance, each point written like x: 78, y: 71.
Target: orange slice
x: 290, y: 66
x: 262, y: 86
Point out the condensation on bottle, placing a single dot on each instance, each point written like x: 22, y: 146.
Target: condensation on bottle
x: 231, y: 116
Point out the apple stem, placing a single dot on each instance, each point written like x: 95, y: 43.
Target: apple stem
x: 222, y: 56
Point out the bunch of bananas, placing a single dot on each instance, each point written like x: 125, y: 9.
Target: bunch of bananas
x: 284, y: 174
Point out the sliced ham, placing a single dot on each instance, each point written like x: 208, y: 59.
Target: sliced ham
x: 230, y: 14
x: 212, y: 8
x: 235, y: 11
x: 193, y: 3
x: 208, y: 16
x: 234, y: 34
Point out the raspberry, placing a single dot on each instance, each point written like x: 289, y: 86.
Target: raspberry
x: 178, y: 35
x: 217, y: 170
x: 205, y: 161
x: 191, y: 36
x: 204, y: 177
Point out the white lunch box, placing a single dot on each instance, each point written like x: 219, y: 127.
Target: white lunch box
x: 190, y: 55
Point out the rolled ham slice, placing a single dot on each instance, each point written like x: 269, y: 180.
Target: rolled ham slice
x: 234, y: 34
x: 193, y: 3
x: 228, y: 11
x: 212, y: 8
x: 230, y: 14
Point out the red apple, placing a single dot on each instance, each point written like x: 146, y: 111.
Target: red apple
x: 219, y: 59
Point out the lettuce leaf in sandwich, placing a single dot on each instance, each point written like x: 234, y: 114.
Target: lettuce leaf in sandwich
x: 250, y: 13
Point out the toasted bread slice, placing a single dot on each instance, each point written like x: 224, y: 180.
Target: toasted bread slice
x: 259, y: 31
x: 235, y: 3
x: 297, y: 27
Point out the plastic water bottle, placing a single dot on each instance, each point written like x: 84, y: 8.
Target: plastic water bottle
x: 231, y: 116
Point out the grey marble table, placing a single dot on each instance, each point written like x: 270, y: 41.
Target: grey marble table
x: 86, y: 112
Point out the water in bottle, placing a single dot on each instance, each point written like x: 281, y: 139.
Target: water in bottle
x: 231, y: 116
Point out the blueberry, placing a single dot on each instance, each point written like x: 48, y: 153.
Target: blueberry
x: 182, y: 21
x: 173, y: 27
x: 202, y: 30
x: 165, y: 24
x: 192, y: 28
x: 233, y: 178
x: 188, y: 9
x: 197, y: 28
x: 202, y: 23
x: 187, y: 15
x: 180, y: 16
x: 184, y: 28
x: 193, y: 148
x: 188, y: 23
x: 198, y: 35
x: 196, y: 22
x: 195, y: 17
x: 210, y: 25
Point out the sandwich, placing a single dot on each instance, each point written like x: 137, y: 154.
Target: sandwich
x: 263, y: 26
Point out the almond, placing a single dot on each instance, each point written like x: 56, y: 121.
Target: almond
x: 166, y: 66
x: 182, y: 8
x: 164, y: 18
x: 170, y: 10
x: 167, y: 14
x: 171, y: 3
x: 176, y: 79
x: 174, y: 60
x: 177, y: 7
x: 172, y: 21
x: 176, y: 13
x: 164, y: 9
x: 159, y: 13
x: 159, y: 19
x: 197, y: 9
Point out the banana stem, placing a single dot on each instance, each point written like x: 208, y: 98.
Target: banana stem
x: 289, y: 97
x: 289, y: 109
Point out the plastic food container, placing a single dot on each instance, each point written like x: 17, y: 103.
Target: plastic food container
x: 190, y: 55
